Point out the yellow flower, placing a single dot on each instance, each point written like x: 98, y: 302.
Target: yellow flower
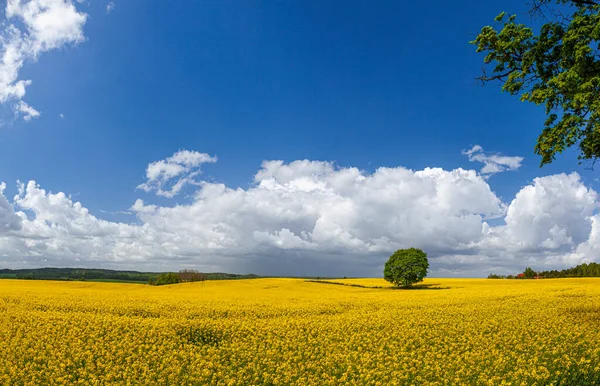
x: 295, y: 332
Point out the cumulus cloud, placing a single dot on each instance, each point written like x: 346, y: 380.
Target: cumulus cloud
x: 492, y: 163
x: 315, y: 206
x: 167, y: 177
x: 551, y: 222
x: 312, y: 217
x: 32, y: 28
x: 9, y: 221
x: 110, y: 6
x: 589, y: 249
x: 552, y: 212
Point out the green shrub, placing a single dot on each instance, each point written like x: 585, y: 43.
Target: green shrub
x: 165, y: 278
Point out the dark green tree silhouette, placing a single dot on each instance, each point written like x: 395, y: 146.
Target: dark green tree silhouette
x: 529, y: 273
x: 406, y: 267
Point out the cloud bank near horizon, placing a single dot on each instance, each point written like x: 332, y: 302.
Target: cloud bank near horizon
x: 311, y: 218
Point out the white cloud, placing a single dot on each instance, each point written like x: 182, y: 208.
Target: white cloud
x: 309, y: 217
x: 552, y: 216
x: 167, y: 177
x: 589, y: 249
x: 494, y: 163
x: 552, y: 212
x: 28, y: 112
x: 110, y: 6
x: 9, y: 221
x: 31, y: 28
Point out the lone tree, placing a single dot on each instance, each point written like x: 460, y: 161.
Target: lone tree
x: 406, y: 267
x: 558, y: 65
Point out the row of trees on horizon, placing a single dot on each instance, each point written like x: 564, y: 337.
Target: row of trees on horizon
x: 183, y: 276
x: 582, y: 270
x: 95, y: 274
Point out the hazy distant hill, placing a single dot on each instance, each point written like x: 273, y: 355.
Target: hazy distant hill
x: 93, y: 274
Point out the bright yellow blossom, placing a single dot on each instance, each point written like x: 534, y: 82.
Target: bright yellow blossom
x: 296, y: 332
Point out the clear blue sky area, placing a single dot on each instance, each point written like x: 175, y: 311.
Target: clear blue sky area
x: 362, y: 83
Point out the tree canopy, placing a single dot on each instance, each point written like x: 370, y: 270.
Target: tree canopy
x: 529, y: 273
x: 557, y: 66
x: 582, y: 270
x: 406, y: 267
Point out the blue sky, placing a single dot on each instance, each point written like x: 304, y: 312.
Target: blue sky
x: 361, y: 84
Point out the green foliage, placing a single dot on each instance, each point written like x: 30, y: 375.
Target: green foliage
x: 529, y: 273
x: 82, y: 274
x: 406, y: 267
x: 93, y: 274
x: 191, y: 275
x: 228, y: 276
x: 558, y: 67
x: 165, y: 279
x: 583, y: 270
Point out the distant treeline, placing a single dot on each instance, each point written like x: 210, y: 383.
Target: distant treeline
x: 583, y: 270
x: 91, y: 274
x: 185, y: 275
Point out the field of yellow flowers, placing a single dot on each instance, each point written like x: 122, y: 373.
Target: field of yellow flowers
x: 296, y: 332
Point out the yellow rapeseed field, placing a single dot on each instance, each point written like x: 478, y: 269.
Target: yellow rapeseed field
x: 294, y: 332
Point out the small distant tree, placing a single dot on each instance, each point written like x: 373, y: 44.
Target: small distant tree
x: 192, y: 275
x: 529, y: 273
x: 406, y: 267
x: 166, y: 278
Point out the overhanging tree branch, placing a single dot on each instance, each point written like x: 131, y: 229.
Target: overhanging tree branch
x: 559, y: 68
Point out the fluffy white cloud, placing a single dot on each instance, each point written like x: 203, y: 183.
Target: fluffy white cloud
x: 314, y: 206
x: 550, y: 223
x: 167, y: 177
x: 552, y: 212
x: 494, y: 163
x: 9, y: 221
x: 31, y: 28
x: 590, y: 249
x: 308, y: 217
